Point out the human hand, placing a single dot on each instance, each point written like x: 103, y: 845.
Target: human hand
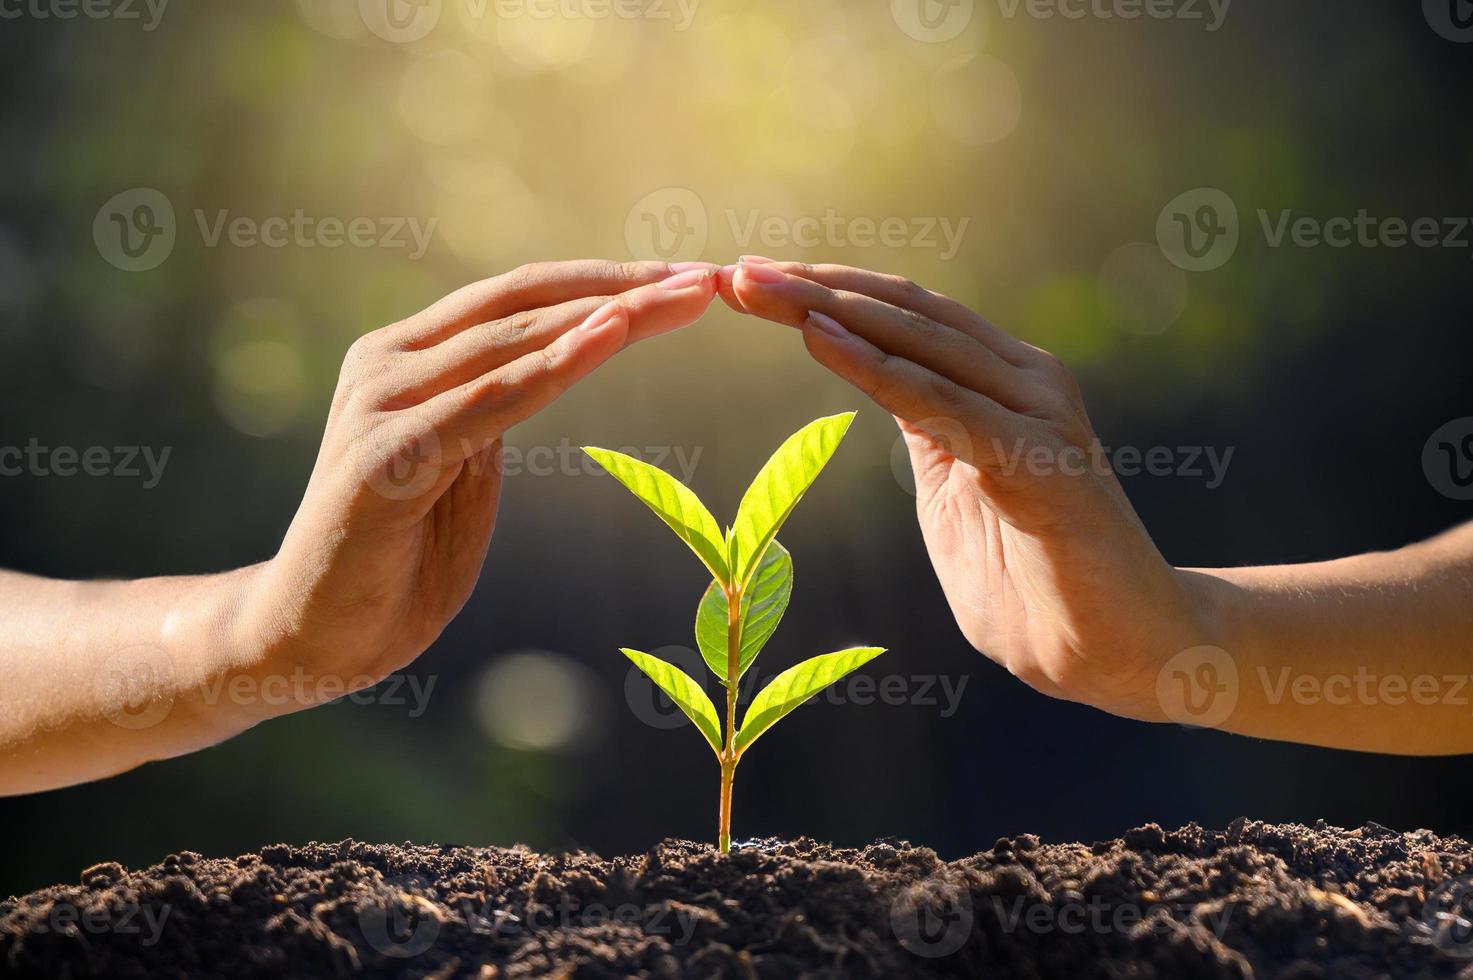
x: 390, y: 537
x: 1044, y: 562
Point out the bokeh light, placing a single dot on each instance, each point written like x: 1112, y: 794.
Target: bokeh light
x: 535, y: 700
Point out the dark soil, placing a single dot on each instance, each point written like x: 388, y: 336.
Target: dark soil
x: 1257, y: 900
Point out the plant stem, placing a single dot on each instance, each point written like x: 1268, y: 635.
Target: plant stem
x: 729, y: 757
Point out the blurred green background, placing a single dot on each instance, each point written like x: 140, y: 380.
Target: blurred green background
x: 1050, y: 144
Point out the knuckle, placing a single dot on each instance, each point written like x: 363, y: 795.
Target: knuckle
x: 626, y: 271
x: 944, y: 392
x: 908, y: 289
x: 365, y: 356
x: 522, y: 276
x: 1057, y: 373
x: 921, y: 324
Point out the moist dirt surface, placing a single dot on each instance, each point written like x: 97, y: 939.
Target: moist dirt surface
x: 1252, y: 900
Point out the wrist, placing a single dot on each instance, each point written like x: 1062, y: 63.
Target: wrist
x: 1201, y: 673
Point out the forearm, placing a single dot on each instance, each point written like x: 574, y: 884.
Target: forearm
x: 1373, y: 652
x: 100, y: 677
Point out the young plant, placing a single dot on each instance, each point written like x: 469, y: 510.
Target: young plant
x: 752, y: 582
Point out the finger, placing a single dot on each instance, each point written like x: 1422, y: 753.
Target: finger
x: 471, y: 417
x: 726, y: 288
x: 901, y: 292
x: 767, y: 291
x: 916, y: 395
x: 529, y: 287
x: 651, y: 310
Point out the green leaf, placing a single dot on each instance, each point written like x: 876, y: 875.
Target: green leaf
x: 778, y: 488
x: 763, y: 604
x: 686, y: 693
x: 794, y: 686
x: 674, y: 502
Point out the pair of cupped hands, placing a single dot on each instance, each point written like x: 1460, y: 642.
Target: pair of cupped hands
x: 1047, y: 568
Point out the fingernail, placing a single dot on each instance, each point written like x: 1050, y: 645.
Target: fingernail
x: 766, y: 275
x: 685, y: 280
x: 678, y: 267
x: 826, y: 325
x: 602, y: 316
x: 758, y: 260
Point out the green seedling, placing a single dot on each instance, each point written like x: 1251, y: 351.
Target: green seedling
x: 752, y: 582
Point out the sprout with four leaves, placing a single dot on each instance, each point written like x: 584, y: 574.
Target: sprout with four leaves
x: 753, y: 581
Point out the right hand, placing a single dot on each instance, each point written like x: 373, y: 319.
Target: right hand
x: 1044, y: 562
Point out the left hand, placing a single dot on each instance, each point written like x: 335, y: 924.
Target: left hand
x: 1047, y: 569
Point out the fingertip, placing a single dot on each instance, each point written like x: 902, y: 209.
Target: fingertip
x: 726, y: 288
